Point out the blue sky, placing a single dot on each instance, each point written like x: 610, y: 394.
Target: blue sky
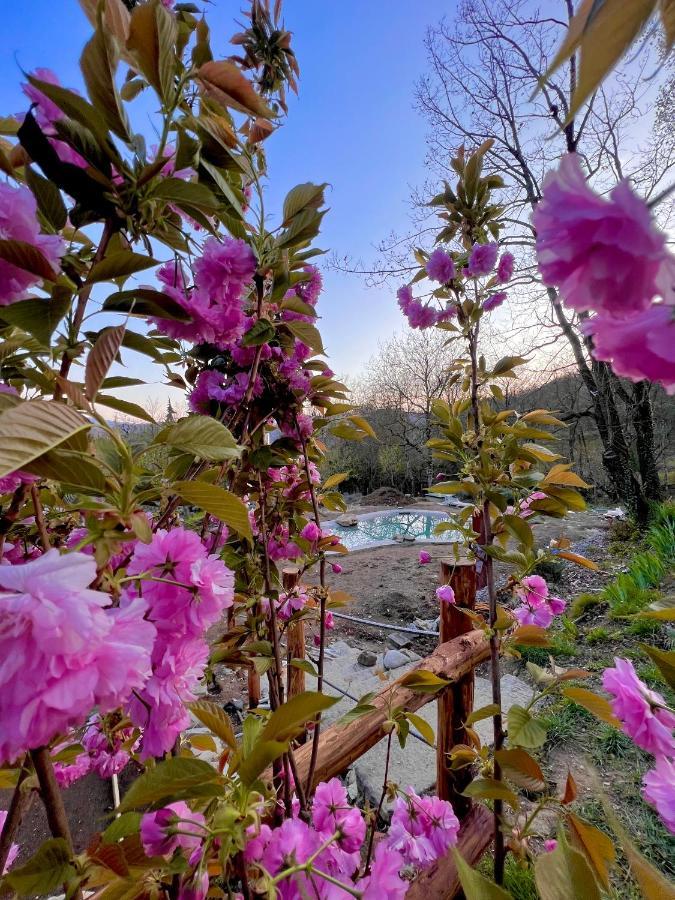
x: 353, y: 125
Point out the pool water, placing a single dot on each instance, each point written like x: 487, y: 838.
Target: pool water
x: 381, y: 528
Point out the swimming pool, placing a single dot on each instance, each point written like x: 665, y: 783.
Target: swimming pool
x: 378, y: 529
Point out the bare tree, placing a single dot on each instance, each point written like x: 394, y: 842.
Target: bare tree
x: 484, y: 82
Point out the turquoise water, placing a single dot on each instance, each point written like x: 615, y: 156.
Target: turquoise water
x: 383, y: 528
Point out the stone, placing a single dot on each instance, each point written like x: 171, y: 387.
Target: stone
x: 398, y: 640
x: 352, y: 786
x: 394, y: 659
x: 367, y: 658
x: 347, y: 521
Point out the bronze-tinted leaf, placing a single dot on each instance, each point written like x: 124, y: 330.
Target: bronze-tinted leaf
x: 226, y: 83
x: 98, y: 64
x: 595, y: 845
x: 27, y: 257
x: 101, y: 357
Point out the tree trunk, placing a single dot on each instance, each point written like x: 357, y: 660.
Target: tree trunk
x: 643, y: 423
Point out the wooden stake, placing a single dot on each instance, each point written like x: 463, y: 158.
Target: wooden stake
x: 455, y: 704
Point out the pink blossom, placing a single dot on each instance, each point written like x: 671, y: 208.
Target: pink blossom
x: 425, y: 557
x: 494, y: 301
x: 310, y: 290
x: 46, y: 112
x: 68, y: 773
x: 482, y: 259
x: 224, y: 269
x: 61, y: 651
x: 422, y: 828
x: 171, y: 827
x: 638, y: 346
x: 104, y: 748
x: 384, y: 879
x: 550, y: 845
x: 209, y: 388
x: 420, y: 316
x: 291, y: 843
x: 447, y: 314
x: 18, y: 222
x: 642, y: 711
x: 505, y: 268
x: 290, y: 603
x: 331, y: 812
x: 13, y: 849
x: 336, y: 567
x: 445, y: 593
x: 195, y: 886
x: 602, y: 254
x: 659, y: 790
x: 440, y: 266
x: 311, y: 532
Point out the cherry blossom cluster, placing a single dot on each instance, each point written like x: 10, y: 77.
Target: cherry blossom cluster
x: 536, y: 605
x: 446, y: 269
x: 606, y: 255
x: 649, y: 722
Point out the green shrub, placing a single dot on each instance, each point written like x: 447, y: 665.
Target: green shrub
x: 644, y: 627
x: 661, y: 538
x: 647, y: 569
x: 583, y: 602
x: 550, y: 569
x: 597, y: 635
x: 625, y: 597
x: 622, y: 530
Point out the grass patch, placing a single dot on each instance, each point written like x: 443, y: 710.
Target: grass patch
x: 563, y: 721
x: 644, y: 627
x: 519, y: 880
x: 597, y: 635
x: 560, y: 647
x: 626, y: 598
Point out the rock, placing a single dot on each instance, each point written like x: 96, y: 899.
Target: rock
x: 398, y: 640
x: 352, y: 786
x: 367, y: 658
x: 394, y: 659
x: 347, y: 521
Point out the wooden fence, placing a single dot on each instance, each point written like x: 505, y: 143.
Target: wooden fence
x: 461, y: 648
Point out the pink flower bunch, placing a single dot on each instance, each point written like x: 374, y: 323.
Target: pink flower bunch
x: 280, y: 546
x: 294, y: 480
x: 524, y: 507
x: 417, y: 313
x: 494, y: 301
x: 19, y: 222
x: 648, y: 722
x: 607, y: 255
x: 440, y: 266
x: 482, y: 259
x: 537, y: 607
x: 299, y: 427
x: 424, y: 558
x: 643, y: 713
x: 308, y: 291
x: 68, y: 773
x: 311, y: 533
x: 445, y: 594
x: 291, y: 602
x: 332, y: 813
x: 104, y: 747
x: 186, y: 590
x: 505, y: 267
x: 215, y: 302
x: 47, y: 113
x: 659, y: 790
x: 63, y: 649
x: 328, y: 623
x: 14, y: 848
x: 172, y: 827
x: 422, y: 829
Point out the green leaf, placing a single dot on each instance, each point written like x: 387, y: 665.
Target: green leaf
x: 125, y: 407
x: 598, y: 706
x: 506, y: 364
x: 176, y: 190
x: 520, y: 768
x: 301, y: 197
x: 36, y: 317
x: 79, y: 470
x: 45, y: 872
x: 423, y: 682
x: 177, y: 778
x: 119, y: 264
x: 216, y: 720
x: 491, y: 789
x: 98, y: 64
x: 333, y: 480
x: 455, y: 487
x: 27, y: 257
x: 595, y: 845
x: 564, y: 874
x: 288, y: 720
x: 422, y: 726
x: 48, y: 198
x: 307, y: 333
x: 474, y: 885
x: 262, y: 333
x: 519, y: 529
x: 202, y: 436
x: 663, y: 610
x: 33, y: 427
x: 226, y: 507
x: 152, y: 36
x: 665, y: 660
x: 146, y: 302
x: 524, y: 729
x: 485, y: 712
x: 101, y: 357
x: 126, y: 824
x: 259, y: 758
x: 568, y: 497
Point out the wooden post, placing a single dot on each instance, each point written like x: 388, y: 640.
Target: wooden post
x: 253, y: 676
x: 456, y: 703
x: 295, y: 638
x: 477, y: 525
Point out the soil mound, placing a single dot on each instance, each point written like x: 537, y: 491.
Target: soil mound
x: 385, y: 496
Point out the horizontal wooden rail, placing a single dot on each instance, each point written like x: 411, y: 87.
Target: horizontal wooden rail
x: 441, y: 881
x: 340, y: 745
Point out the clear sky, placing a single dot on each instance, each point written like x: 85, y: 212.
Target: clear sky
x: 353, y: 125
